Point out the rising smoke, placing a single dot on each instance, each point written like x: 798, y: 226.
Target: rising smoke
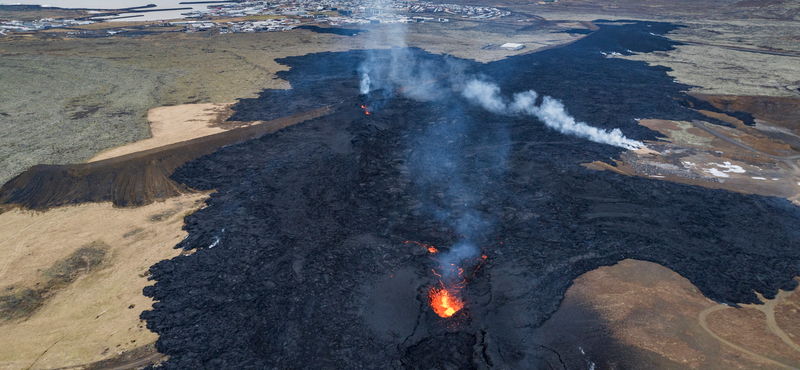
x: 551, y: 112
x: 364, y: 86
x: 437, y: 161
x: 400, y: 67
x: 382, y: 69
x: 455, y: 258
x: 391, y: 66
x: 436, y: 166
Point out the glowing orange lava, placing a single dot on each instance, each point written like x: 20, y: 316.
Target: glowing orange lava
x: 444, y: 303
x: 364, y: 107
x: 453, y: 276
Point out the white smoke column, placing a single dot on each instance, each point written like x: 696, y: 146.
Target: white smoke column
x: 486, y: 95
x: 364, y: 86
x: 378, y: 73
x: 551, y: 112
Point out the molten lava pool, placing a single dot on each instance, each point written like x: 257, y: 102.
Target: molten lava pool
x: 444, y: 303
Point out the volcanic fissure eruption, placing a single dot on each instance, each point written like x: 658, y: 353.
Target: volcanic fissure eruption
x: 445, y: 298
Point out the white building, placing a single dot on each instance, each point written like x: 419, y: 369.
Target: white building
x: 511, y: 46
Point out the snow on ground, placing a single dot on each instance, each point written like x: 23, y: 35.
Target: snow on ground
x: 730, y: 167
x: 716, y: 172
x: 722, y: 169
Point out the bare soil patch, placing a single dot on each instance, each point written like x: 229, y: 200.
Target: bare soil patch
x: 650, y: 307
x: 781, y: 111
x: 173, y: 124
x: 22, y: 303
x: 87, y: 296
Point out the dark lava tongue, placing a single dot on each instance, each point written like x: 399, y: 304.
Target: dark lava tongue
x: 309, y: 271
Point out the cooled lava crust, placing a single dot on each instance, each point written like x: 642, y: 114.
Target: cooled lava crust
x: 301, y: 258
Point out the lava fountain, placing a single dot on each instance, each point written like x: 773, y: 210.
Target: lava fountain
x: 445, y: 299
x: 444, y: 303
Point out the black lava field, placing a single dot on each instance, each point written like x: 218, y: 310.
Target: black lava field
x: 308, y: 256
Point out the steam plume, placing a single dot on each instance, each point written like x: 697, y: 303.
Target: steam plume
x: 551, y: 112
x: 364, y: 86
x: 455, y: 257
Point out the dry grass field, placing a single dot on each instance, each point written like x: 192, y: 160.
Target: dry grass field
x: 72, y: 279
x: 650, y: 307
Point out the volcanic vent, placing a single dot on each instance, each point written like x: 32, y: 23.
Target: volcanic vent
x: 455, y: 268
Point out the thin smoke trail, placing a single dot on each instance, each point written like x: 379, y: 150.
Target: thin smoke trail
x: 551, y: 112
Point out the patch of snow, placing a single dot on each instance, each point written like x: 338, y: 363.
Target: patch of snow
x: 716, y: 172
x: 724, y: 168
x: 688, y: 164
x: 775, y: 179
x: 759, y: 178
x: 730, y: 167
x: 658, y: 176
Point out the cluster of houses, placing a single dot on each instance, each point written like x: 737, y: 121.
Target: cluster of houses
x: 349, y: 11
x: 332, y: 12
x: 268, y: 25
x: 286, y: 14
x: 466, y: 11
x: 40, y: 25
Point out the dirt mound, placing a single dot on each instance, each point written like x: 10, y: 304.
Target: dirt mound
x: 128, y: 180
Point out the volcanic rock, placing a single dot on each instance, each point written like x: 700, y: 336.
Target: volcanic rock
x: 303, y: 259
